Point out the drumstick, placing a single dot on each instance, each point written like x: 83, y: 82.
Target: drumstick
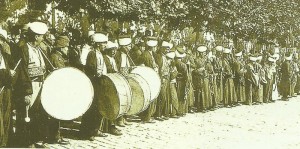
x: 27, y: 119
x: 101, y: 123
x: 14, y: 70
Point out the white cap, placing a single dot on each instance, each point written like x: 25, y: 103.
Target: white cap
x: 166, y: 44
x: 289, y: 58
x: 202, y: 48
x: 90, y: 33
x: 270, y: 59
x: 99, y: 37
x: 152, y: 43
x: 3, y: 33
x: 219, y: 48
x: 124, y: 41
x: 239, y: 54
x: 111, y: 45
x: 227, y: 51
x: 251, y: 58
x: 171, y: 55
x: 259, y: 58
x: 38, y: 27
x: 177, y: 54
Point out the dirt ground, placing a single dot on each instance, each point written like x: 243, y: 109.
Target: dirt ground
x: 267, y: 126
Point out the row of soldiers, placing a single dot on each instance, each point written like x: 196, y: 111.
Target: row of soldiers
x: 193, y: 79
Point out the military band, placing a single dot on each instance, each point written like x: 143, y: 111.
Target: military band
x: 198, y: 77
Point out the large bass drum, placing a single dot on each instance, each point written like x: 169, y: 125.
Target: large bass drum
x: 113, y: 95
x: 152, y: 78
x: 67, y: 93
x: 140, y: 94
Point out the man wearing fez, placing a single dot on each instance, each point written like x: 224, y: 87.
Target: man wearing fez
x: 201, y: 80
x: 59, y: 59
x: 147, y: 58
x: 181, y: 79
x: 124, y: 63
x: 95, y: 67
x: 123, y: 59
x: 239, y: 79
x: 109, y: 53
x: 6, y: 77
x: 268, y: 87
x: 229, y: 91
x: 30, y: 76
x: 164, y: 73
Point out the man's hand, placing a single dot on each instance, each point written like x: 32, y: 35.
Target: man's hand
x: 28, y: 99
x: 12, y: 73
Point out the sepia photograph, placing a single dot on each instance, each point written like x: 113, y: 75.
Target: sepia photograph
x: 150, y: 74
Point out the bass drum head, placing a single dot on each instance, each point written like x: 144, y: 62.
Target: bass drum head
x: 152, y: 79
x: 113, y: 95
x: 140, y: 94
x: 67, y: 93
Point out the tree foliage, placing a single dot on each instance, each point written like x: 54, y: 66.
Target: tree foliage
x: 264, y: 20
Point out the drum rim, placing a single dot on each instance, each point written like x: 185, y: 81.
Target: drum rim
x: 146, y: 103
x: 156, y: 95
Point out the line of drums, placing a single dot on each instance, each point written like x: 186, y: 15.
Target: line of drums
x: 67, y: 93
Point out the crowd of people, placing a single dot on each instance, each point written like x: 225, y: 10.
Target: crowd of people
x: 198, y: 77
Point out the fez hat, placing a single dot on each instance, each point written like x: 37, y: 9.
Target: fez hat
x: 39, y: 28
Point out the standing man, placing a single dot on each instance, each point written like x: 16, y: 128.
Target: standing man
x: 164, y: 73
x: 239, y: 79
x: 30, y: 76
x: 201, y: 78
x: 95, y: 67
x: 229, y: 92
x: 190, y: 62
x: 251, y: 80
x: 123, y: 59
x: 286, y: 74
x: 59, y: 59
x: 181, y: 79
x: 6, y: 77
x: 147, y: 58
x: 268, y: 87
x: 109, y: 53
x: 124, y: 63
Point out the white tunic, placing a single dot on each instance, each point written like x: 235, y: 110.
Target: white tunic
x: 101, y: 67
x: 84, y: 53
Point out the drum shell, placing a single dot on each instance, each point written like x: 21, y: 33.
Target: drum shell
x: 113, y: 95
x: 140, y: 94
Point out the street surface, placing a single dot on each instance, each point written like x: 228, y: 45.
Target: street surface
x: 267, y: 126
